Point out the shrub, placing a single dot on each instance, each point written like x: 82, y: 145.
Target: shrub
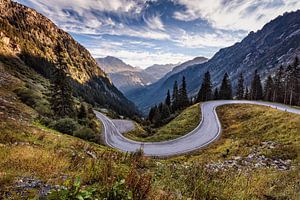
x: 65, y: 125
x: 119, y: 192
x: 35, y: 100
x: 45, y: 121
x: 72, y: 190
x: 85, y: 133
x: 28, y: 96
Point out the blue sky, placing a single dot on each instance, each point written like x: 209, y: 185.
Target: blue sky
x: 146, y: 32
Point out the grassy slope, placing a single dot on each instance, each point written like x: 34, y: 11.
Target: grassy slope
x: 245, y: 128
x: 181, y: 125
x: 28, y: 149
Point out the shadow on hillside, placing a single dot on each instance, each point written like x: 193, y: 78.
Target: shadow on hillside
x: 97, y: 91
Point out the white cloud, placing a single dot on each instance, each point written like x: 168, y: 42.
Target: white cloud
x: 155, y: 23
x: 141, y: 59
x: 139, y: 32
x: 249, y: 15
x: 216, y: 39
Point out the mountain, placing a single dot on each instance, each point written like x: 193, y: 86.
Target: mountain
x: 183, y: 66
x: 112, y: 64
x: 127, y: 78
x: 159, y: 71
x: 124, y: 76
x: 278, y: 42
x: 31, y: 40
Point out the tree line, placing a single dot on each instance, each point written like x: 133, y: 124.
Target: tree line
x: 164, y: 112
x: 282, y: 87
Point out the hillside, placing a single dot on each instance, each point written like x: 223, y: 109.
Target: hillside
x: 32, y: 39
x: 278, y: 42
x: 36, y: 160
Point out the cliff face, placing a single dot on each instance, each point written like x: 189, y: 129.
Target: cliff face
x: 33, y: 38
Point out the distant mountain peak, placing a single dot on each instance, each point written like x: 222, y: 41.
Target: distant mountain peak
x: 111, y: 64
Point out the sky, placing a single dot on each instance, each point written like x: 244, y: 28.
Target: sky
x: 147, y: 32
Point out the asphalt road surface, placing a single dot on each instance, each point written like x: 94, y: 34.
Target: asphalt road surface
x: 208, y: 130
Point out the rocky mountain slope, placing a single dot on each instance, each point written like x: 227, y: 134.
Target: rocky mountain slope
x: 127, y: 78
x: 278, y: 42
x: 159, y: 71
x: 111, y: 65
x: 32, y: 39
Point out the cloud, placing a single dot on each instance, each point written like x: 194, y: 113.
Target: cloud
x: 217, y: 39
x: 134, y: 57
x: 249, y: 15
x: 155, y: 23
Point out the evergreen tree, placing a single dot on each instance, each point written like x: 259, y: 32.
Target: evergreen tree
x: 61, y: 98
x: 292, y: 83
x: 297, y: 81
x: 156, y: 117
x: 165, y: 112
x: 205, y: 92
x: 268, y: 89
x: 152, y: 113
x: 216, y: 94
x: 226, y: 89
x: 183, y: 96
x: 160, y: 107
x: 247, y: 95
x: 168, y: 99
x: 279, y: 85
x: 240, y: 87
x: 175, y: 97
x: 256, y: 87
x: 83, y: 111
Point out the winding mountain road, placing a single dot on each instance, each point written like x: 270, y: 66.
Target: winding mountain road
x: 208, y: 130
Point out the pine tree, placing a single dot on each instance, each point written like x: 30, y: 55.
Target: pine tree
x: 61, y: 98
x: 168, y: 99
x: 247, y: 95
x: 152, y: 113
x: 279, y: 85
x: 165, y: 112
x: 205, y: 92
x: 175, y: 97
x: 216, y: 94
x: 269, y: 89
x: 183, y: 96
x: 256, y: 87
x: 240, y: 87
x: 292, y: 83
x: 83, y: 111
x: 297, y: 81
x: 156, y: 117
x: 226, y: 89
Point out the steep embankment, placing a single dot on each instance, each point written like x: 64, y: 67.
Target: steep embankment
x: 32, y: 38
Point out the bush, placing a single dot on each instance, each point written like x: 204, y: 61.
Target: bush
x: 85, y: 133
x: 35, y: 100
x: 46, y: 121
x: 28, y: 96
x: 65, y: 125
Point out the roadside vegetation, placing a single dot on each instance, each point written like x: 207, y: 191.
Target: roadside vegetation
x: 37, y: 161
x: 180, y: 126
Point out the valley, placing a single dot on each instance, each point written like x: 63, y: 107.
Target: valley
x: 211, y: 111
